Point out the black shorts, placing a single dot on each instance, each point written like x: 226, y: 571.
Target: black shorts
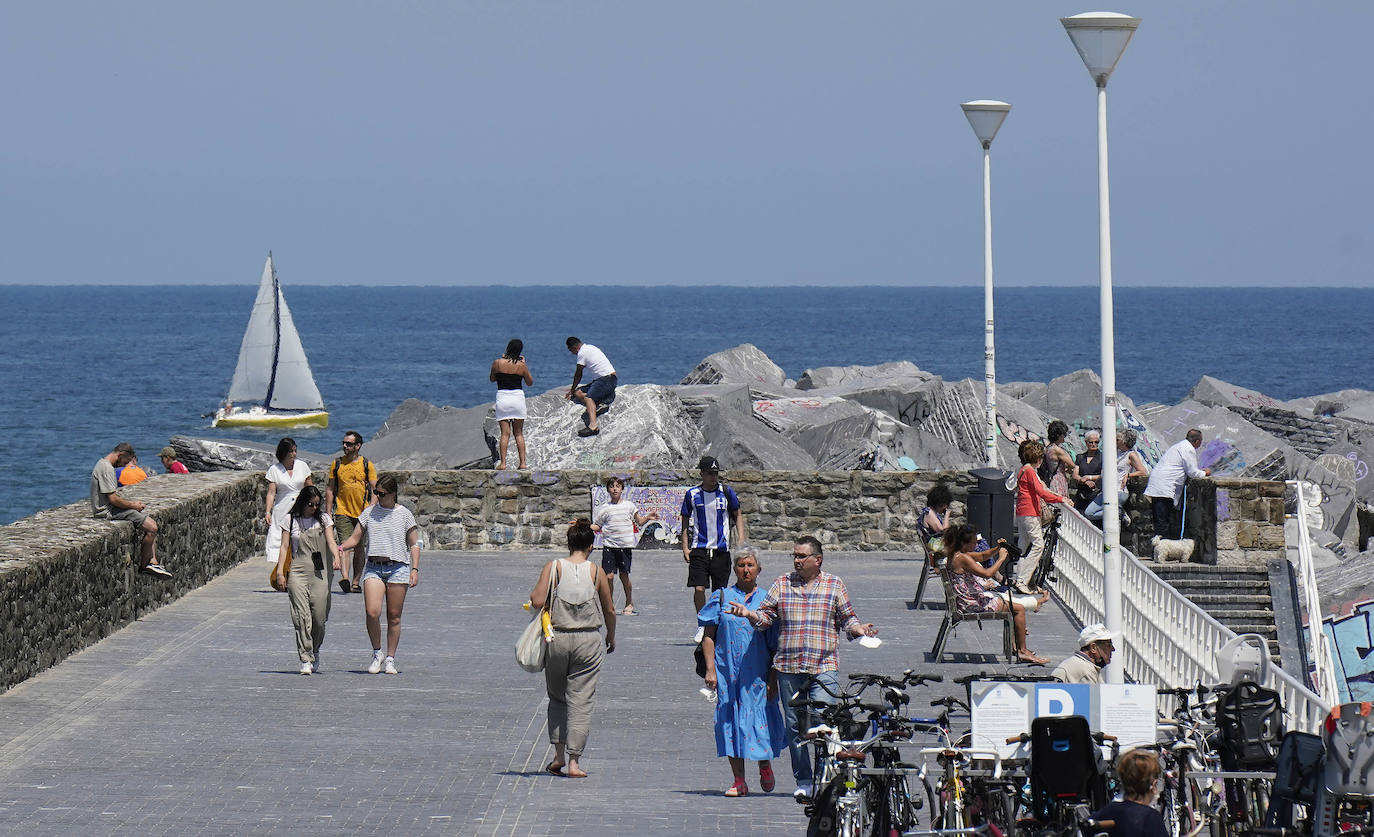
x: 708, y: 567
x: 615, y: 559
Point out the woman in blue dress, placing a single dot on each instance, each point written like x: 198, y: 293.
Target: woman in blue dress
x: 739, y: 666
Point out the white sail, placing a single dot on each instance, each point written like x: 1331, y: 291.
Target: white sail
x: 272, y: 362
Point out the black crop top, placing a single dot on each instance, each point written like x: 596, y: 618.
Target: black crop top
x: 508, y: 380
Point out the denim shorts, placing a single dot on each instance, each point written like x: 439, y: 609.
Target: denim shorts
x: 602, y: 389
x: 390, y: 572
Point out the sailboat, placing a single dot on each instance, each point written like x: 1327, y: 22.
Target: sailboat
x: 272, y: 374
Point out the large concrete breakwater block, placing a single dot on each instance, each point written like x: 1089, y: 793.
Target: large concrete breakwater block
x: 744, y: 364
x: 419, y: 435
x: 900, y: 390
x: 959, y: 419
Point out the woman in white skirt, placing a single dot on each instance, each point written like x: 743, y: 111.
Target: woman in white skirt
x: 510, y: 374
x: 285, y: 480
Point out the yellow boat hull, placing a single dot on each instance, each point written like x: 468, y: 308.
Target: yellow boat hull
x: 262, y: 418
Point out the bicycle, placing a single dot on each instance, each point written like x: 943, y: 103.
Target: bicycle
x: 963, y: 797
x: 854, y: 799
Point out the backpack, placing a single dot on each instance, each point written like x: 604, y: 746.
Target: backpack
x: 1250, y: 720
x: 367, y: 484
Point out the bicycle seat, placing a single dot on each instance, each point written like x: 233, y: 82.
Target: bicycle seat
x: 851, y: 755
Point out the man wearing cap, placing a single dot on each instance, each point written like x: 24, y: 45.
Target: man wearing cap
x: 707, y: 512
x: 597, y: 395
x: 168, y: 455
x: 106, y: 503
x: 1094, y: 652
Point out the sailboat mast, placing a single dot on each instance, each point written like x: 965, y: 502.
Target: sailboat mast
x: 276, y: 332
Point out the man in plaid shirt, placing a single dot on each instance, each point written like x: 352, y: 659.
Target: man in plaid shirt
x: 811, y: 608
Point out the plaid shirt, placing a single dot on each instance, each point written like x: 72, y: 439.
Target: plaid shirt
x: 811, y: 615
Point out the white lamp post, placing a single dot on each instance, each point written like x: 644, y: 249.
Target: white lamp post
x: 1100, y: 38
x: 986, y: 117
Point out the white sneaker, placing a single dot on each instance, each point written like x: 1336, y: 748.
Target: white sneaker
x: 316, y: 665
x: 803, y: 792
x: 696, y: 638
x: 307, y: 668
x: 376, y: 666
x: 389, y: 667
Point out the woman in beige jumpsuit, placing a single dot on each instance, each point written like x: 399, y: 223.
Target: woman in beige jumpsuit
x: 581, y: 604
x: 307, y: 538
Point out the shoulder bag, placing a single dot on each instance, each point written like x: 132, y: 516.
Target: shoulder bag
x: 699, y: 654
x: 531, y: 649
x: 272, y: 578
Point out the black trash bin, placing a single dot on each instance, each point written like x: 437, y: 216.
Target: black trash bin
x: 992, y: 505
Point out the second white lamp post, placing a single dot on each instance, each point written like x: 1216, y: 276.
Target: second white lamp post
x: 986, y: 115
x: 1101, y: 38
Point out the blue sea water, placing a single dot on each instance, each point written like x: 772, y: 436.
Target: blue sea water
x: 85, y: 367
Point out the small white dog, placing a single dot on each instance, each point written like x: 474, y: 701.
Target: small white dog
x: 1167, y: 550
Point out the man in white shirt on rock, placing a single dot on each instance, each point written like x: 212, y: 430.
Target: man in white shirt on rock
x: 1165, y: 488
x: 617, y: 522
x: 598, y: 394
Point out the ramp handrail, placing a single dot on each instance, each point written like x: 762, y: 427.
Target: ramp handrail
x: 1167, y: 639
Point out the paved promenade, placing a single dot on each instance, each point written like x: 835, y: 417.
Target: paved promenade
x: 194, y: 720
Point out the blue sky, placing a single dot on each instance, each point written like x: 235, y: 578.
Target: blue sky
x: 645, y: 143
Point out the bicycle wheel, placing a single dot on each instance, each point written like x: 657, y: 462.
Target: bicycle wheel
x: 901, y: 807
x: 1170, y: 808
x: 1000, y: 809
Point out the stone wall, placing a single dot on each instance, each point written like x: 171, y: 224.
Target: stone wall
x: 513, y: 510
x: 68, y: 579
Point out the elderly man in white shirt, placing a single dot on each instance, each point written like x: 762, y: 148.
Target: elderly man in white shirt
x: 1165, y: 488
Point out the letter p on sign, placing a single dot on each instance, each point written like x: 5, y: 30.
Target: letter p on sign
x: 1061, y: 700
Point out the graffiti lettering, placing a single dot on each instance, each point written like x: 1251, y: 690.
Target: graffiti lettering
x: 1361, y: 467
x: 1253, y: 399
x: 1013, y: 432
x: 1352, y: 636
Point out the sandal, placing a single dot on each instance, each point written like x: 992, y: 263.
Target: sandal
x: 629, y: 611
x: 555, y: 769
x: 766, y: 779
x: 345, y: 585
x: 356, y: 588
x: 1028, y: 657
x: 739, y: 788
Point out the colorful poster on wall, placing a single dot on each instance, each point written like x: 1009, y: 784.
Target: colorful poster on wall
x: 663, y: 533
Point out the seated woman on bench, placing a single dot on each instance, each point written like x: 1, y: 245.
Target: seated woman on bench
x: 976, y: 590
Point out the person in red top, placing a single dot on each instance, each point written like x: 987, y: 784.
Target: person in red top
x: 168, y: 455
x: 1031, y: 495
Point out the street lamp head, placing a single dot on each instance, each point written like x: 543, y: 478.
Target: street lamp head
x: 985, y: 115
x: 1100, y: 38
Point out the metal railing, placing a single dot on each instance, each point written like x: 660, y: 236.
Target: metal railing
x: 1167, y: 640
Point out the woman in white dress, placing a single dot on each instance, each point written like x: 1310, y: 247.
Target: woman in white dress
x: 510, y: 373
x: 284, y: 481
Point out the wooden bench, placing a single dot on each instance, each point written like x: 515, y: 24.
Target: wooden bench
x: 930, y: 565
x: 953, y: 618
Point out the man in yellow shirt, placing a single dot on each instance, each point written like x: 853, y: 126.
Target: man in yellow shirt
x: 351, y: 488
